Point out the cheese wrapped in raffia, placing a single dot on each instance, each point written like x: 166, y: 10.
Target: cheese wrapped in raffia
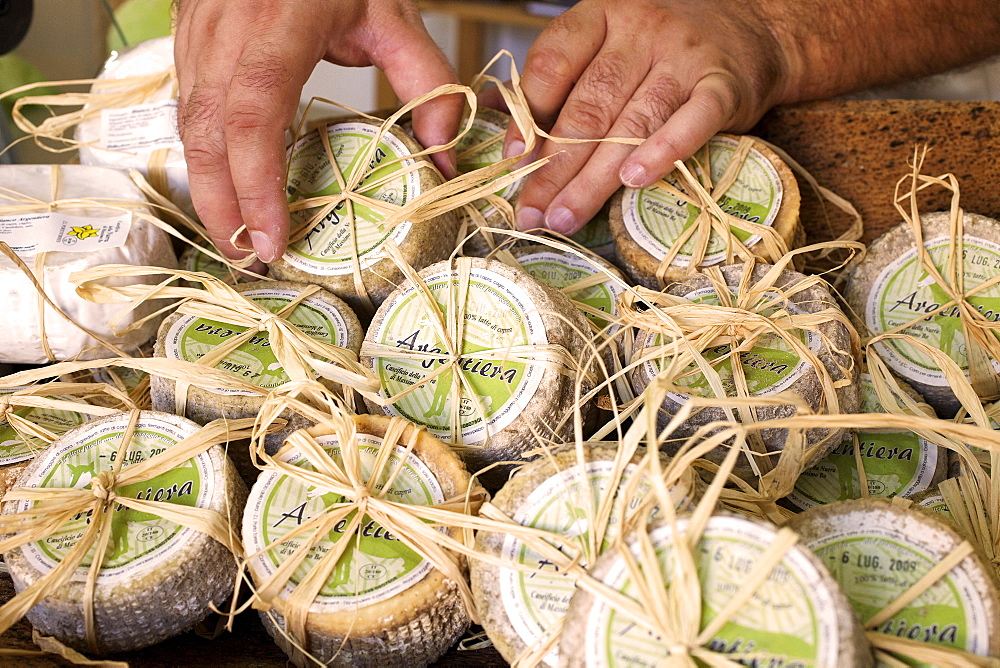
x: 795, y: 348
x: 935, y: 277
x: 123, y: 533
x: 734, y: 200
x: 485, y: 357
x: 60, y: 219
x: 33, y: 416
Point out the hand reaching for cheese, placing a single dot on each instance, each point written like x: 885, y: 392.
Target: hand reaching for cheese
x: 676, y: 72
x: 241, y: 66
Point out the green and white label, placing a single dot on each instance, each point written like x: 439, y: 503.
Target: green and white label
x: 190, y: 338
x: 656, y: 220
x: 563, y: 504
x: 936, y: 503
x: 896, y: 464
x: 328, y: 249
x: 875, y: 565
x: 377, y: 565
x: 498, y: 316
x: 596, y: 236
x: 770, y: 366
x: 195, y: 260
x: 16, y: 448
x: 482, y: 146
x: 139, y: 541
x: 562, y: 270
x: 786, y: 622
x: 904, y: 292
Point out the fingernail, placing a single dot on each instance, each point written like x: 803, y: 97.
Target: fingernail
x: 263, y: 246
x: 530, y: 218
x: 514, y: 148
x: 633, y: 176
x: 561, y: 220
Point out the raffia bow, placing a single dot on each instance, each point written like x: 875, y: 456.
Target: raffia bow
x: 53, y: 507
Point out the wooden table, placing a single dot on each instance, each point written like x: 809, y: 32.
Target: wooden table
x: 472, y: 17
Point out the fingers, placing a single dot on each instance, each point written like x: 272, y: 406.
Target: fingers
x: 239, y: 90
x: 414, y: 65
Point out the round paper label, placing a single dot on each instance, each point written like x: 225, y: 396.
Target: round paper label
x: 482, y: 146
x: 190, y: 338
x: 770, y: 366
x: 498, y: 316
x: 534, y: 602
x: 139, y: 541
x: 656, y: 220
x: 377, y: 565
x: 875, y: 565
x: 904, y: 291
x: 786, y: 622
x: 16, y: 448
x: 596, y: 236
x: 328, y: 249
x: 561, y: 270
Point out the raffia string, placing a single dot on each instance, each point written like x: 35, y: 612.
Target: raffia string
x: 53, y: 507
x: 448, y: 324
x: 980, y: 334
x: 300, y: 355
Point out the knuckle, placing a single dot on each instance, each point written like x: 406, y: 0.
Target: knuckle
x: 549, y: 64
x: 263, y: 69
x: 582, y: 119
x: 205, y: 159
x: 244, y: 121
x: 199, y: 114
x: 604, y: 79
x: 663, y: 97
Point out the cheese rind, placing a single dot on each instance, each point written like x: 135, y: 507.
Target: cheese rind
x: 21, y: 338
x: 504, y: 308
x: 375, y: 611
x: 326, y: 256
x: 158, y: 579
x: 877, y: 550
x: 647, y: 222
x: 797, y: 616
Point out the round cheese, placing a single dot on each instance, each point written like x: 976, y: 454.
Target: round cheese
x: 897, y: 463
x: 647, y: 222
x: 186, y: 337
x: 797, y: 617
x: 770, y: 366
x: 384, y: 604
x: 128, y: 137
x: 890, y: 288
x: 116, y: 237
x: 877, y: 550
x: 480, y: 147
x: 512, y: 401
x: 326, y: 255
x: 158, y: 578
x: 16, y: 450
x: 194, y: 260
x: 596, y: 235
x: 933, y: 499
x: 561, y: 494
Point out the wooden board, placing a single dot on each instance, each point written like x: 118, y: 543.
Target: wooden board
x: 860, y: 149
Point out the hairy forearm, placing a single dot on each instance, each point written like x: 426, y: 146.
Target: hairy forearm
x: 837, y: 46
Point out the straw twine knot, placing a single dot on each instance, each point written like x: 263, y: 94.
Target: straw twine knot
x: 103, y: 486
x: 266, y: 320
x: 5, y: 407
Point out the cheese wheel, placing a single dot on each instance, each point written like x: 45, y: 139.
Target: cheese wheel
x: 877, y: 550
x: 480, y: 147
x: 897, y: 463
x: 186, y: 337
x: 890, y: 288
x: 194, y: 260
x: 385, y: 605
x: 520, y: 400
x: 647, y: 222
x: 797, y: 617
x: 326, y: 256
x: 933, y: 499
x: 95, y: 226
x: 770, y: 366
x: 552, y: 493
x: 17, y: 450
x: 158, y: 579
x: 128, y: 137
x: 596, y: 235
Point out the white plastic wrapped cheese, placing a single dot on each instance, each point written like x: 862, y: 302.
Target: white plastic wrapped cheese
x: 127, y: 137
x: 92, y: 235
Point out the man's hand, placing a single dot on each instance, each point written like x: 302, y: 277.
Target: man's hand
x: 671, y: 72
x: 241, y: 66
x: 676, y: 72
